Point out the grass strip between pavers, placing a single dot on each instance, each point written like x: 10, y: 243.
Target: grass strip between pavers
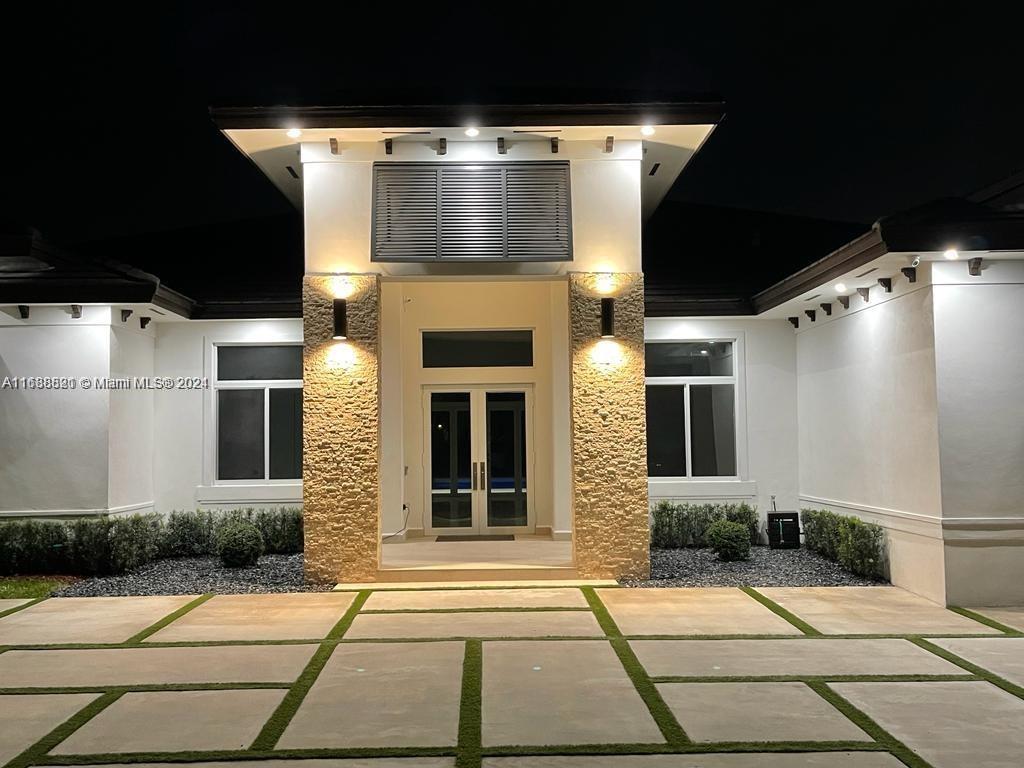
x: 667, y: 723
x: 275, y: 726
x: 970, y: 666
x: 21, y: 607
x: 169, y: 618
x: 778, y: 610
x: 510, y: 609
x: 900, y: 751
x: 982, y: 619
x: 143, y: 688
x: 130, y: 758
x: 814, y: 678
x: 471, y: 707
x: 691, y: 748
x: 38, y: 751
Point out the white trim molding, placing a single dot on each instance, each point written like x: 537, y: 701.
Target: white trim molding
x: 909, y: 522
x: 270, y: 493
x: 673, y: 488
x: 142, y: 507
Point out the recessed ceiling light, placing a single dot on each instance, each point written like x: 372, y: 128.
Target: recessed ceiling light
x: 703, y: 351
x: 840, y: 287
x: 951, y: 253
x: 647, y: 130
x: 293, y: 133
x: 471, y: 132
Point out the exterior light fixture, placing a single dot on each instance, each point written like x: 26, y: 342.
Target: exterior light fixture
x: 340, y: 319
x: 704, y: 352
x: 607, y: 318
x: 293, y: 133
x: 472, y: 132
x: 647, y: 130
x: 840, y: 287
x: 951, y: 253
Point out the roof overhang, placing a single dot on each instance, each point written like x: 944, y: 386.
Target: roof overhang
x: 894, y: 243
x: 680, y: 128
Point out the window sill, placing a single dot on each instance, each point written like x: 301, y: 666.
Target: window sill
x: 267, y: 493
x: 677, y: 488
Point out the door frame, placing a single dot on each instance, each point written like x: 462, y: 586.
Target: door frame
x: 478, y: 448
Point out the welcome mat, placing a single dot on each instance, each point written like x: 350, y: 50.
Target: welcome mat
x: 496, y: 537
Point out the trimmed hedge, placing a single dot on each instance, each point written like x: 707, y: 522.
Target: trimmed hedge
x: 728, y: 540
x: 686, y: 525
x: 100, y: 546
x: 239, y: 544
x: 854, y: 544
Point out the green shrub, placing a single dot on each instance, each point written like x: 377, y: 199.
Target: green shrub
x: 728, y: 540
x: 854, y: 544
x: 90, y: 546
x: 33, y: 546
x: 686, y: 525
x: 747, y: 516
x: 239, y: 544
x: 189, y: 534
x: 822, y: 532
x: 860, y: 547
x: 135, y: 541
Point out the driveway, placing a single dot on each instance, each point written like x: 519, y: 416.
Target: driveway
x: 540, y: 677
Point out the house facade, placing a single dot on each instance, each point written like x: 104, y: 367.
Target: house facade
x: 474, y: 357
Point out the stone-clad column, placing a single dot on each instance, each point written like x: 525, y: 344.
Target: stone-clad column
x: 609, y: 433
x: 341, y: 429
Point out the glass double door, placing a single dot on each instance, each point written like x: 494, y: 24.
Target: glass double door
x: 479, y: 451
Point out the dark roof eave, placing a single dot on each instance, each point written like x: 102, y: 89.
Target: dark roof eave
x: 699, y: 112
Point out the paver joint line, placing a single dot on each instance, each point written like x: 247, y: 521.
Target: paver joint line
x: 21, y: 607
x: 970, y: 666
x: 898, y: 749
x: 36, y: 753
x: 777, y: 609
x: 470, y: 739
x: 272, y: 730
x: 168, y: 619
x: 982, y: 619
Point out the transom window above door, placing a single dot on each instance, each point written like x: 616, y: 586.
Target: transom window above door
x: 471, y: 212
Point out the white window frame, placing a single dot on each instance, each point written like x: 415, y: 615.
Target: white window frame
x: 216, y: 385
x: 739, y: 413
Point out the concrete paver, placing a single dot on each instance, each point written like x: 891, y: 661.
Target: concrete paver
x: 871, y: 610
x: 133, y: 666
x: 1010, y: 616
x: 26, y: 719
x: 507, y: 624
x: 684, y: 611
x: 951, y: 725
x: 382, y: 695
x: 741, y: 658
x: 751, y: 760
x: 565, y: 692
x: 175, y: 721
x: 309, y: 615
x: 1002, y: 655
x: 756, y: 712
x: 564, y: 597
x: 11, y: 602
x: 86, y: 619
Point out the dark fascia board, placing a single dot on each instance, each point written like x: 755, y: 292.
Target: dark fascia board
x: 856, y: 253
x: 75, y: 290
x: 415, y: 116
x: 684, y: 301
x: 249, y: 310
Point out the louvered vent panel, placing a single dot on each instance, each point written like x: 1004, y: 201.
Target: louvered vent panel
x: 538, y: 212
x: 405, y: 226
x: 472, y: 215
x: 463, y: 211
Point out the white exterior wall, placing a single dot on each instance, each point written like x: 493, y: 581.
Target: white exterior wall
x: 130, y: 480
x: 766, y: 416
x: 184, y: 449
x: 606, y: 219
x: 868, y: 426
x: 979, y: 325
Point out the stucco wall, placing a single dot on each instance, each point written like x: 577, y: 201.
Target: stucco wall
x: 131, y: 419
x: 980, y: 369
x: 184, y: 451
x: 341, y: 430
x: 766, y: 416
x: 609, y: 439
x: 869, y: 426
x: 53, y: 455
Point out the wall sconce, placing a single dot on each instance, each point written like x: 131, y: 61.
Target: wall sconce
x: 607, y: 318
x: 340, y: 319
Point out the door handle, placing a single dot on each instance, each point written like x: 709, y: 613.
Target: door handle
x: 483, y: 475
x: 474, y: 475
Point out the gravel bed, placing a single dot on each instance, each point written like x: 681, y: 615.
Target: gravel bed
x: 197, y: 575
x: 765, y: 568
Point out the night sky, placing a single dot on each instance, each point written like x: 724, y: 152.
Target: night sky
x: 841, y: 115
